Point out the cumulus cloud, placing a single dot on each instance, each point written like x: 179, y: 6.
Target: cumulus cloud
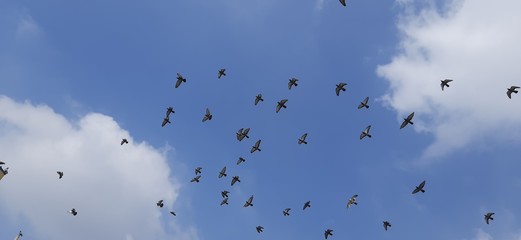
x: 114, y: 188
x: 476, y: 44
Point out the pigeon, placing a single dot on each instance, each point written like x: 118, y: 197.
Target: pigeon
x: 222, y: 173
x: 160, y: 203
x: 386, y: 224
x: 173, y: 213
x: 292, y: 82
x: 60, y: 174
x: 241, y: 160
x: 256, y: 147
x: 407, y: 120
x: 242, y: 133
x: 73, y: 212
x: 198, y: 170
x: 165, y: 121
x: 419, y: 188
x: 286, y: 211
x: 306, y: 205
x: 249, y: 202
x: 340, y: 86
x: 180, y: 79
x: 352, y: 201
x: 207, y: 116
x: 364, y: 103
x: 224, y: 194
x: 328, y: 232
x: 260, y: 229
x: 196, y: 178
x: 224, y: 201
x: 169, y: 110
x: 235, y: 179
x: 488, y: 217
x: 281, y: 104
x: 511, y: 90
x: 258, y: 99
x: 445, y: 83
x: 123, y: 141
x: 303, y: 139
x: 365, y: 132
x: 221, y: 73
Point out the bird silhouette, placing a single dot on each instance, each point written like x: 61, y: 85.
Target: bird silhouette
x: 365, y: 133
x: 328, y: 232
x: 286, y: 211
x: 407, y: 120
x: 124, y: 141
x: 340, y: 87
x: 306, y: 205
x: 235, y: 179
x: 207, y: 115
x: 488, y: 217
x: 60, y: 174
x: 256, y: 147
x: 386, y: 224
x: 196, y: 178
x: 302, y: 139
x: 259, y: 229
x: 241, y: 160
x: 445, y: 83
x: 180, y: 79
x: 281, y: 104
x: 419, y: 188
x: 292, y: 82
x: 224, y: 201
x: 73, y: 212
x: 258, y: 99
x: 224, y: 194
x: 221, y: 73
x: 160, y: 203
x: 364, y: 103
x: 352, y: 200
x: 222, y: 173
x: 249, y: 202
x: 511, y: 90
x: 198, y: 170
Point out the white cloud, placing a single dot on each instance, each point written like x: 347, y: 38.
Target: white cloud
x: 114, y: 188
x: 476, y: 44
x: 27, y: 26
x: 482, y: 235
x: 319, y: 5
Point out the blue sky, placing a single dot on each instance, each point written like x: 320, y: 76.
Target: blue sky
x: 77, y: 77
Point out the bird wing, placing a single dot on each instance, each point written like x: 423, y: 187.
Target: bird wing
x: 303, y: 138
x: 208, y: 112
x: 246, y: 131
x: 422, y: 184
x: 178, y: 83
x: 343, y: 2
x: 410, y: 116
x: 279, y: 105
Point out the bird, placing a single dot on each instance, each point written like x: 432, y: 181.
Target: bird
x: 224, y: 201
x: 173, y: 213
x: 445, y: 83
x: 169, y: 110
x: 160, y: 203
x: 281, y: 104
x: 1, y: 163
x: 286, y: 211
x: 235, y: 179
x: 488, y: 217
x: 259, y: 229
x: 180, y: 79
x: 222, y: 173
x: 221, y: 73
x: 19, y: 235
x: 242, y: 133
x: 73, y: 212
x: 256, y: 147
x: 364, y: 103
x: 198, y: 170
x: 60, y: 174
x: 258, y: 99
x: 292, y: 82
x: 306, y: 205
x: 328, y: 232
x: 249, y: 202
x: 224, y: 194
x: 340, y: 86
x: 165, y: 121
x: 241, y: 160
x: 123, y: 141
x: 407, y: 120
x: 511, y: 90
x: 207, y: 116
x: 386, y: 224
x: 365, y: 132
x: 303, y: 139
x: 419, y: 188
x: 196, y: 178
x: 352, y: 201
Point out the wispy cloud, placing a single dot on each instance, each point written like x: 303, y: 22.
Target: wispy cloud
x: 319, y: 5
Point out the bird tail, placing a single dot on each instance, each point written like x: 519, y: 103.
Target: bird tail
x: 411, y: 123
x: 491, y: 218
x: 368, y: 135
x: 515, y: 91
x: 423, y: 190
x: 284, y: 106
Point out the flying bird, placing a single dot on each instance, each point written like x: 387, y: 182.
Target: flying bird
x: 222, y: 173
x: 207, y: 116
x: 511, y: 90
x: 258, y: 99
x: 235, y: 179
x: 169, y: 110
x: 173, y: 213
x: 165, y: 121
x: 221, y: 73
x: 196, y: 178
x: 180, y: 79
x: 445, y: 83
x: 256, y: 147
x: 281, y: 104
x: 242, y: 133
x: 123, y: 141
x: 488, y: 217
x: 419, y: 188
x: 160, y: 203
x: 60, y: 174
x: 241, y: 160
x: 306, y: 205
x: 19, y: 236
x: 198, y: 170
x: 249, y: 202
x: 224, y: 201
x: 292, y: 82
x: 340, y: 86
x: 365, y: 132
x: 286, y: 211
x: 260, y: 229
x: 407, y: 120
x: 224, y: 194
x: 352, y: 201
x: 386, y: 224
x: 364, y: 103
x: 303, y: 139
x: 73, y: 212
x: 328, y: 232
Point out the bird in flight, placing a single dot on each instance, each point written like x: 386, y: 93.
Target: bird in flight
x: 306, y: 205
x: 407, y: 120
x: 258, y: 99
x: 241, y: 160
x: 445, y: 83
x: 222, y: 173
x: 364, y: 103
x: 286, y: 211
x: 73, y: 212
x: 235, y: 179
x: 221, y: 73
x: 366, y: 132
x: 169, y: 110
x: 419, y: 188
x: 20, y: 235
x: 386, y: 224
x: 196, y: 178
x: 160, y: 203
x: 511, y: 90
x: 173, y: 213
x: 352, y: 201
x: 165, y: 121
x: 488, y: 217
x: 303, y: 139
x: 207, y: 116
x: 60, y: 174
x: 242, y: 133
x: 292, y: 82
x: 256, y: 147
x: 123, y: 141
x: 180, y: 79
x: 198, y: 170
x: 281, y: 104
x: 260, y: 229
x: 249, y: 202
x: 224, y: 201
x: 340, y: 87
x: 224, y: 194
x: 328, y: 232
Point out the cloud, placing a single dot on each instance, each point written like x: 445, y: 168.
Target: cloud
x: 114, y: 188
x: 477, y: 45
x: 482, y: 235
x: 27, y: 26
x: 320, y: 5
